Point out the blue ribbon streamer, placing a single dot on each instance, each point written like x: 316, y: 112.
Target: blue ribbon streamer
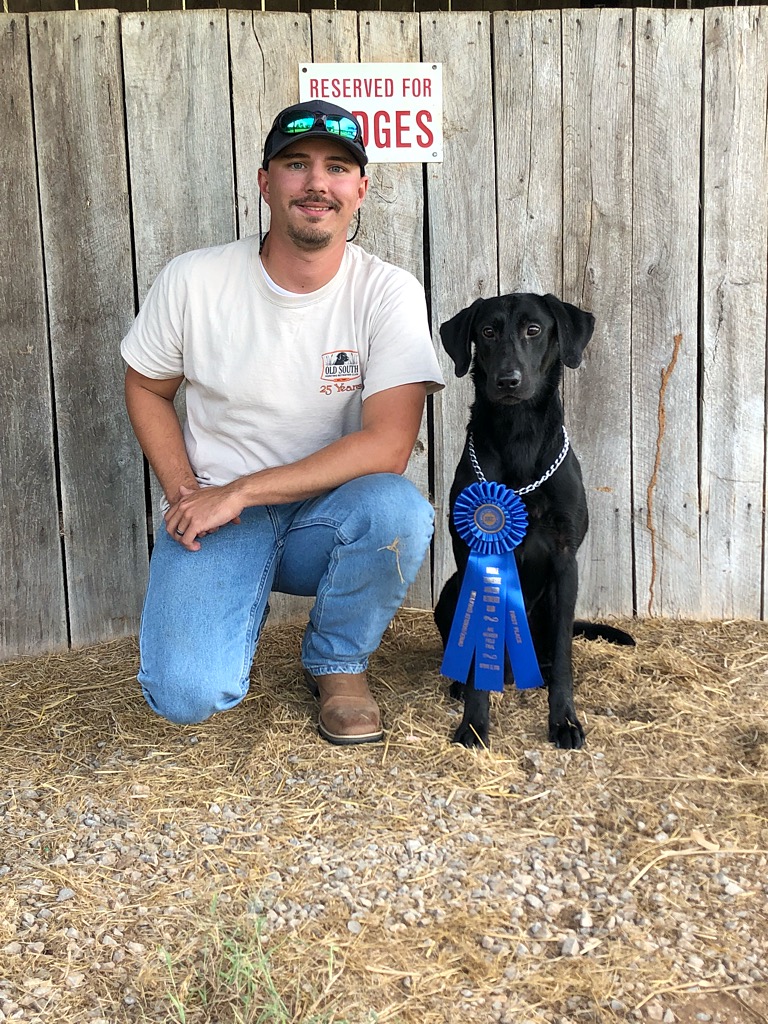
x: 490, y: 612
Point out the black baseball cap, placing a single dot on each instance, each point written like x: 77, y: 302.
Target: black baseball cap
x: 315, y: 119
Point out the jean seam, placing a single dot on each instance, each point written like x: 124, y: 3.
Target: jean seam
x: 142, y: 629
x: 337, y: 667
x: 334, y: 524
x: 321, y: 595
x: 251, y: 642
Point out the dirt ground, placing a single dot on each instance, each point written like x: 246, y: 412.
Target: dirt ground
x: 725, y: 1007
x: 243, y: 870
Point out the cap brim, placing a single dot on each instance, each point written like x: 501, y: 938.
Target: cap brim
x: 278, y: 141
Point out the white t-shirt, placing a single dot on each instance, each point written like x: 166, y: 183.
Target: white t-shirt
x: 273, y: 378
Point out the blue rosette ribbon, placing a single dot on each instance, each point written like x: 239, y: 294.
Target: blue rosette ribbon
x: 490, y: 613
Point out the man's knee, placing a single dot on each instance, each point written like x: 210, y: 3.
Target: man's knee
x: 392, y: 502
x: 394, y: 522
x: 187, y: 699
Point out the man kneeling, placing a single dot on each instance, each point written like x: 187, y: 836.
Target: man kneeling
x: 306, y: 366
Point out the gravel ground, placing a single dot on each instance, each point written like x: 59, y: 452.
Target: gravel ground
x: 407, y: 881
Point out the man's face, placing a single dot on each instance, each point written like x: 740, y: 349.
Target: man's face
x: 313, y: 189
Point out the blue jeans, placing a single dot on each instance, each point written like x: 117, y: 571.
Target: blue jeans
x: 356, y: 550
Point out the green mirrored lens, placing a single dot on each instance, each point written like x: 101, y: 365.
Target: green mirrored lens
x: 306, y: 120
x: 342, y: 126
x: 299, y: 124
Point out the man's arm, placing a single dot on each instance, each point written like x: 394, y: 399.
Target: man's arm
x: 390, y: 425
x: 157, y: 428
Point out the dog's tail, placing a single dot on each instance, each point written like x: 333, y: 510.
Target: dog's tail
x: 601, y: 631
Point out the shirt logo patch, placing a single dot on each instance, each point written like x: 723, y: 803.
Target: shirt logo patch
x: 340, y: 365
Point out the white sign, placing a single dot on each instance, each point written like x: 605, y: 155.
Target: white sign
x: 399, y: 106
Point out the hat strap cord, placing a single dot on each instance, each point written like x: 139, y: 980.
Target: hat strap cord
x: 357, y: 227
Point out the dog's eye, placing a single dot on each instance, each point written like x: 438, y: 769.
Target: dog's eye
x: 533, y: 330
x: 488, y: 332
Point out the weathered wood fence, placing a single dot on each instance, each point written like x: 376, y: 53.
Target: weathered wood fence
x: 616, y: 158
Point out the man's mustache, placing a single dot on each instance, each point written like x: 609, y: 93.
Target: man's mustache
x: 318, y: 200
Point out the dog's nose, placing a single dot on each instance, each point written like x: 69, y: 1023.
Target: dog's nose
x: 510, y: 381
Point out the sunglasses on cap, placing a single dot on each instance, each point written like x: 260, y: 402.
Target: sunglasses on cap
x: 296, y: 122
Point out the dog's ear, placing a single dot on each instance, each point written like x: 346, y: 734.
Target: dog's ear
x: 574, y: 329
x: 456, y: 336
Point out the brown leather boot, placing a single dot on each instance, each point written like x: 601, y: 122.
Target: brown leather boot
x: 348, y: 712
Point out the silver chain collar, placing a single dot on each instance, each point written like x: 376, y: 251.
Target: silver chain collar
x: 530, y: 487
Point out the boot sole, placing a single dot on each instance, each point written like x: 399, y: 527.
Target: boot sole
x: 349, y: 741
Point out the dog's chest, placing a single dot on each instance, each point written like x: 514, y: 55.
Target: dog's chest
x: 547, y: 534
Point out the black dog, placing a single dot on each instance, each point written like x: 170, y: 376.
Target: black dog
x: 521, y: 342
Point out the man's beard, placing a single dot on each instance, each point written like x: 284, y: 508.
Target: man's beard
x: 307, y: 236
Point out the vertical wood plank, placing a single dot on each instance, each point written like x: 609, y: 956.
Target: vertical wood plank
x: 334, y: 40
x: 179, y: 142
x: 266, y: 50
x: 392, y: 222
x: 33, y: 619
x: 392, y: 225
x: 84, y: 197
x: 334, y: 37
x: 395, y: 190
x: 597, y: 258
x: 528, y: 107
x: 734, y: 312
x: 665, y: 312
x: 179, y: 135
x: 462, y: 227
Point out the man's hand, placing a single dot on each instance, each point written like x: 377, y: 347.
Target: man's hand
x: 196, y: 513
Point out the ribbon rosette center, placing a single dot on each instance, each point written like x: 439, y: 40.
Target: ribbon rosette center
x: 490, y: 518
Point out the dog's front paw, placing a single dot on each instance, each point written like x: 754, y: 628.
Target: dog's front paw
x: 475, y: 725
x: 566, y: 733
x: 471, y: 735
